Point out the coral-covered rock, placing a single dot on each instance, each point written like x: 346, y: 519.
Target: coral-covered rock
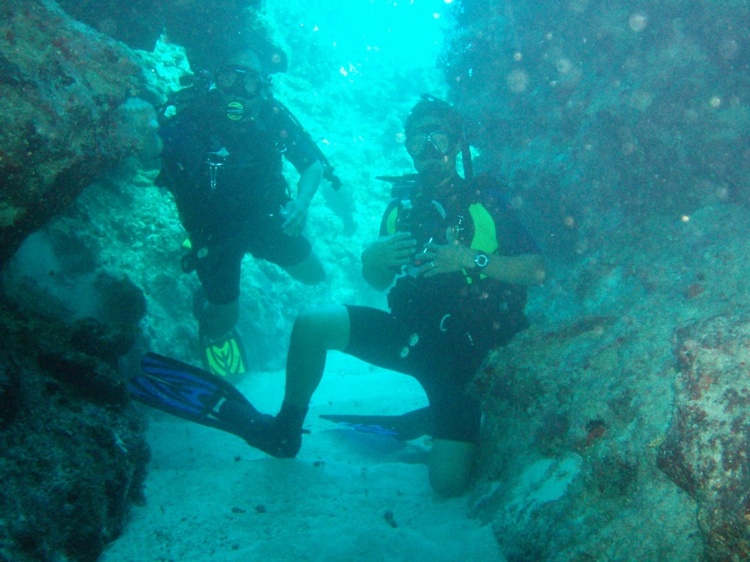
x: 73, y: 451
x: 207, y: 30
x: 595, y: 378
x: 62, y: 87
x: 706, y: 449
x: 568, y: 459
x: 10, y: 385
x: 137, y: 23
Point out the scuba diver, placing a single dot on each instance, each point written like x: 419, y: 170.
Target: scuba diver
x: 457, y: 262
x: 461, y: 262
x: 222, y: 161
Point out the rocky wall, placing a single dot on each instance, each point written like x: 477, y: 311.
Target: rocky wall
x: 207, y: 30
x: 63, y: 121
x: 72, y: 448
x: 603, y: 114
x: 73, y: 452
x: 623, y: 131
x: 615, y: 427
x: 706, y: 448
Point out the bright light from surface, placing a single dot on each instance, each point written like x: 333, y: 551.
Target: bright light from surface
x: 407, y: 34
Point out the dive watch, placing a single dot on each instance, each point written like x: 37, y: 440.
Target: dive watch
x: 481, y: 260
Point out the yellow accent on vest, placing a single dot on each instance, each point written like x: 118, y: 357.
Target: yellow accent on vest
x: 390, y: 222
x: 485, y: 234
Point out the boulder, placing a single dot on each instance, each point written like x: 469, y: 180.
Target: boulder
x: 706, y: 448
x: 63, y: 114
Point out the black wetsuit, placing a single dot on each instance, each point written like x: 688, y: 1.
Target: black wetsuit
x: 439, y: 329
x: 226, y: 178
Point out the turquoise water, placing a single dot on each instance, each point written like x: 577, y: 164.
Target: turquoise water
x: 622, y: 130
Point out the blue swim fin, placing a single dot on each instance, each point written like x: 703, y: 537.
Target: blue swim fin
x: 403, y: 427
x: 191, y: 393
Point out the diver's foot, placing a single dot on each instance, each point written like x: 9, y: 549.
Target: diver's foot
x: 262, y: 431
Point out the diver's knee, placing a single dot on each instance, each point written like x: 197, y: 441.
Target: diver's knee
x: 326, y: 326
x: 309, y: 328
x: 449, y: 485
x: 307, y: 323
x: 451, y: 466
x: 309, y: 271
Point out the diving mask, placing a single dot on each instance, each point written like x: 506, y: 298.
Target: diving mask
x: 240, y: 80
x: 441, y: 141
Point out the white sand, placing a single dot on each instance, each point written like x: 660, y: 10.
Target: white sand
x: 210, y: 497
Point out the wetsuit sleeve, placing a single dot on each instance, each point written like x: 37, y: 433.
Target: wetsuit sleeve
x: 298, y: 148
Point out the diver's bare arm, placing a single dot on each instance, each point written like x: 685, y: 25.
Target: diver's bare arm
x: 524, y: 269
x: 308, y: 182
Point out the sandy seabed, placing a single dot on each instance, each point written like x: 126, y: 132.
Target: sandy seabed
x: 348, y: 496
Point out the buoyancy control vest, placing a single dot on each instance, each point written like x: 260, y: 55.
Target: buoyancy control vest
x: 487, y: 311
x: 224, y: 175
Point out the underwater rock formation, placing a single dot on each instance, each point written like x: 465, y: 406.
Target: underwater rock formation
x: 72, y: 449
x: 706, y: 448
x: 590, y: 450
x: 616, y: 124
x: 62, y: 89
x: 573, y: 415
x: 208, y: 31
x: 137, y: 23
x: 73, y: 452
x: 604, y: 112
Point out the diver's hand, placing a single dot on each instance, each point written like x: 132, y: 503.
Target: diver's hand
x: 295, y: 213
x: 390, y: 252
x: 382, y: 259
x: 445, y: 258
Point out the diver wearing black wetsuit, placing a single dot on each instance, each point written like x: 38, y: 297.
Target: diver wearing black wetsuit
x: 222, y: 160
